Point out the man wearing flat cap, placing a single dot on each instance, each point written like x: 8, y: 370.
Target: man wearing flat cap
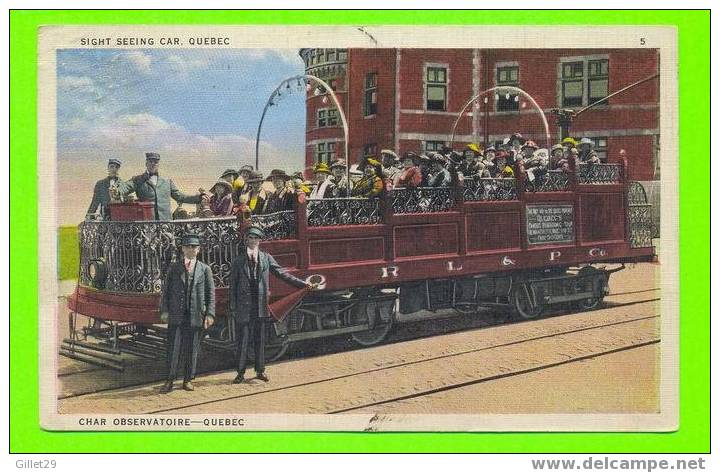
x: 188, y: 299
x: 248, y: 299
x: 104, y: 190
x: 150, y: 187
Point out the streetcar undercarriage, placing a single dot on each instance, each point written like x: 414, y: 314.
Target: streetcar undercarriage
x: 366, y: 315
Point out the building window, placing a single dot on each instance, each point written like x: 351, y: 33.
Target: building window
x: 584, y: 82
x: 508, y: 76
x: 342, y: 54
x: 436, y: 88
x: 325, y: 152
x: 436, y: 146
x: 572, y: 84
x: 331, y: 55
x: 370, y: 103
x: 597, y: 80
x: 327, y: 117
x: 370, y: 151
x: 321, y: 56
x: 601, y: 147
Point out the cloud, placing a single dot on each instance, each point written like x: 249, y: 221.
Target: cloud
x: 182, y: 65
x: 140, y: 60
x: 75, y: 82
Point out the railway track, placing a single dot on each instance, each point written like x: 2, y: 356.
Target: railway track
x: 392, y: 372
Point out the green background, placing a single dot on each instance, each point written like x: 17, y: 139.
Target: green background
x: 694, y: 82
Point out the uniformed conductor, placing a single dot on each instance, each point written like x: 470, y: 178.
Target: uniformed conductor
x: 188, y: 296
x: 150, y: 187
x: 101, y: 193
x: 249, y: 283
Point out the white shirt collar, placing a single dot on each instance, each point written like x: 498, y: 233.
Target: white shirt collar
x: 191, y: 261
x: 253, y: 253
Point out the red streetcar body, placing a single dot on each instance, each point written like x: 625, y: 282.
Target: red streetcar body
x: 465, y: 238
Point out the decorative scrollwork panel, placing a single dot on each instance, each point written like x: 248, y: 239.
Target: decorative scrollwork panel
x: 423, y: 199
x: 601, y: 173
x: 278, y: 225
x: 640, y: 225
x: 343, y: 211
x: 487, y: 189
x: 550, y: 181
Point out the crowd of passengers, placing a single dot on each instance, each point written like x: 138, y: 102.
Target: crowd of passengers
x: 247, y: 192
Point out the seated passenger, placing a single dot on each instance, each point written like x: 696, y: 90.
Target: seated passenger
x: 410, y: 176
x: 536, y: 165
x: 501, y: 168
x: 439, y: 176
x: 516, y: 143
x: 371, y: 184
x: 527, y: 150
x: 556, y: 155
x: 489, y: 158
x: 257, y: 196
x: 424, y: 165
x: 221, y: 201
x: 324, y: 186
x: 587, y: 153
x: 391, y: 164
x: 283, y: 198
x: 339, y: 171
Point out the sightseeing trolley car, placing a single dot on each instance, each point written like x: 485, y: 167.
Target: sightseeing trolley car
x: 508, y: 243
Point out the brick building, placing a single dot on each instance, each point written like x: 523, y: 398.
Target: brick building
x: 409, y: 99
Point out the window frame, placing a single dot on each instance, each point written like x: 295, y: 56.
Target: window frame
x: 326, y: 150
x: 427, y: 84
x: 330, y: 116
x: 506, y: 65
x: 370, y: 90
x: 584, y: 79
x: 439, y: 145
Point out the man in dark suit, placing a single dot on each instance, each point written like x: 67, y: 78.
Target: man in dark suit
x: 102, y: 191
x: 150, y: 187
x: 188, y: 297
x: 248, y: 299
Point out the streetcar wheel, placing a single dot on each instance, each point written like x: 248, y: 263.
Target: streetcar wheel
x: 590, y: 274
x: 380, y: 316
x: 275, y: 347
x: 525, y: 307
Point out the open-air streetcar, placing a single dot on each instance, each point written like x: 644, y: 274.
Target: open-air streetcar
x: 505, y: 242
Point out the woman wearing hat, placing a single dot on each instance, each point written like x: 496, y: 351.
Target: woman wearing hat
x: 221, y: 200
x: 323, y: 184
x: 587, y: 153
x: 410, y: 175
x: 438, y: 176
x: 256, y: 196
x: 338, y: 168
x: 502, y: 169
x: 284, y: 196
x: 556, y: 155
x: 371, y: 184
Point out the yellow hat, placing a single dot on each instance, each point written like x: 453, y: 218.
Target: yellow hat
x: 373, y: 162
x: 238, y: 183
x: 321, y: 167
x: 473, y: 147
x: 569, y: 141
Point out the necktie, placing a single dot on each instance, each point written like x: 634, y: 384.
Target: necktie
x: 187, y: 265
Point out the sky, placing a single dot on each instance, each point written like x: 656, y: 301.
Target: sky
x: 199, y: 109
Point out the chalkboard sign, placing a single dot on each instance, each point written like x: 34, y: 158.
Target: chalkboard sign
x: 549, y: 224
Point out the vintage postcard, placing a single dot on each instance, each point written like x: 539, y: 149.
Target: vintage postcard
x: 358, y: 228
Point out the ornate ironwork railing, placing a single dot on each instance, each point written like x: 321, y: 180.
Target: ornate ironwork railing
x: 640, y: 225
x: 598, y: 173
x: 343, y: 211
x: 278, y: 225
x: 487, y: 189
x: 137, y: 254
x: 636, y: 194
x: 423, y: 199
x: 556, y: 180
